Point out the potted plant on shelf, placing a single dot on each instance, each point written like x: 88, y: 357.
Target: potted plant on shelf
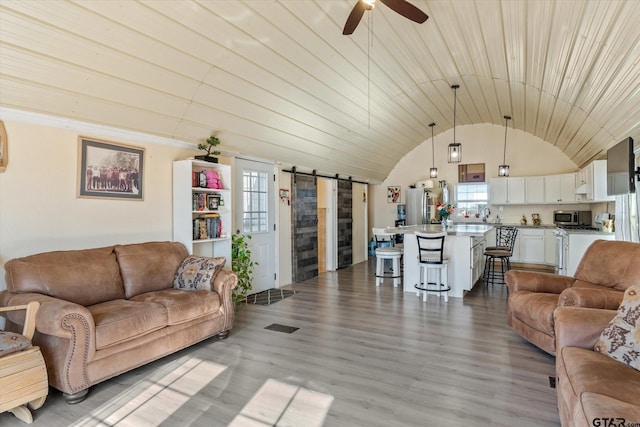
x: 242, y: 265
x: 209, y: 147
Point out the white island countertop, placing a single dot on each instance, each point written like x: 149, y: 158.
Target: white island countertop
x: 463, y: 245
x: 476, y: 230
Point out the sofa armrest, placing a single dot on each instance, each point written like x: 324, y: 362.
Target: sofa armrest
x: 59, y: 318
x: 518, y: 280
x: 580, y: 326
x: 607, y: 299
x: 223, y: 284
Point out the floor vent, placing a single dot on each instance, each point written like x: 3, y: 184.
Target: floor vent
x: 281, y: 328
x: 552, y: 382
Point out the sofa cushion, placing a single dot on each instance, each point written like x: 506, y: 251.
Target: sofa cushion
x: 534, y: 309
x: 85, y: 277
x: 121, y: 320
x: 620, y: 340
x: 197, y: 273
x: 151, y: 266
x: 183, y: 306
x: 591, y: 371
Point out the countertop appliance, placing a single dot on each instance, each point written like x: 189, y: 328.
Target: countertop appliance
x: 599, y: 219
x: 572, y: 218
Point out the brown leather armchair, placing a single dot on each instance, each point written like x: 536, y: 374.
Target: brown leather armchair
x: 605, y: 271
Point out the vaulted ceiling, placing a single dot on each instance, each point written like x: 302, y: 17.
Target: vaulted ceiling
x: 276, y: 79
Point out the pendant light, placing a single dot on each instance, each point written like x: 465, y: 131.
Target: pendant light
x: 455, y: 148
x: 433, y: 172
x: 503, y: 169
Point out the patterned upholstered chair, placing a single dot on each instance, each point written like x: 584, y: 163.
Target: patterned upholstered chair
x: 23, y: 374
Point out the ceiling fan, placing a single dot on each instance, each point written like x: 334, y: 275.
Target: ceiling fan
x: 402, y: 7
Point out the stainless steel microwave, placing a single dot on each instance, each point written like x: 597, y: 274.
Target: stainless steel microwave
x: 572, y: 217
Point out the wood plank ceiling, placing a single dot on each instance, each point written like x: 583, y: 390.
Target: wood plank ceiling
x: 277, y: 79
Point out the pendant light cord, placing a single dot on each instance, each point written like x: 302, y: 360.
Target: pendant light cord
x: 504, y: 154
x: 433, y: 150
x: 455, y: 99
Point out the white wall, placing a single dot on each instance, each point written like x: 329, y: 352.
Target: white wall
x: 527, y: 155
x: 39, y: 210
x: 285, y: 271
x: 360, y: 223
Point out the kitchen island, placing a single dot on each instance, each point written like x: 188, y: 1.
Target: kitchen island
x: 464, y: 247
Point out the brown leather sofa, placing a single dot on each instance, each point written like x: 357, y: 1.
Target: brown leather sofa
x: 605, y: 271
x: 590, y: 385
x: 108, y: 310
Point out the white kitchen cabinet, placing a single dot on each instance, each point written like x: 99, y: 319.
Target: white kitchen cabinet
x: 208, y: 209
x: 532, y: 245
x: 478, y: 245
x: 507, y: 191
x: 550, y: 247
x: 534, y: 189
x: 591, y: 183
x: 560, y: 188
x: 515, y: 254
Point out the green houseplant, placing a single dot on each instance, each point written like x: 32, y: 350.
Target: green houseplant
x: 210, y: 147
x: 242, y: 265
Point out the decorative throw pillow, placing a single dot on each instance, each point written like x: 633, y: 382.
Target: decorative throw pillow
x: 620, y: 340
x: 197, y: 273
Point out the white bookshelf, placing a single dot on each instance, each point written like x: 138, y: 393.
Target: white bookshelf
x: 184, y: 211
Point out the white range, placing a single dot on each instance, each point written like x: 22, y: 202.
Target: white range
x: 571, y: 244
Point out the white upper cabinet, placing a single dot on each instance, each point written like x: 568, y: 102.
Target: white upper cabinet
x: 534, y: 189
x: 591, y: 183
x: 507, y: 191
x: 560, y: 188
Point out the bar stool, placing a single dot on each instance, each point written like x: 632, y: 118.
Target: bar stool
x: 385, y: 250
x: 505, y: 240
x: 431, y: 257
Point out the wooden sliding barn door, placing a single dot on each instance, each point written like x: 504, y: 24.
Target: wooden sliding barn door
x: 345, y: 224
x: 305, y: 227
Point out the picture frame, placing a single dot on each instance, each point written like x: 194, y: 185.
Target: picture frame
x: 213, y: 202
x: 393, y: 194
x: 4, y: 147
x: 110, y: 171
x: 472, y: 172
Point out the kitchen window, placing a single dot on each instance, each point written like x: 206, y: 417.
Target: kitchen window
x: 471, y: 199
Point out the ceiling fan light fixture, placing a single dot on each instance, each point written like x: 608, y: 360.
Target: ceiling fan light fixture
x: 403, y: 7
x: 433, y: 172
x: 455, y: 148
x: 503, y: 169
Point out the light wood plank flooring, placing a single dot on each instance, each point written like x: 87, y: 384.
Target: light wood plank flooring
x: 387, y: 358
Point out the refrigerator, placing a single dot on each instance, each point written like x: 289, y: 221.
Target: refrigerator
x: 420, y: 206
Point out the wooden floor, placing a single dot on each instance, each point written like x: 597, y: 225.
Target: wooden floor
x: 387, y: 358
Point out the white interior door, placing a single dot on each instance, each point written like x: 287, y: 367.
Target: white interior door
x: 255, y: 216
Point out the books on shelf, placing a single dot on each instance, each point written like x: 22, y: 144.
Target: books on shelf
x: 207, y: 226
x: 206, y: 202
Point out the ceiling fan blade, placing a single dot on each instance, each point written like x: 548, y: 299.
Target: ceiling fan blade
x: 407, y: 10
x: 354, y: 17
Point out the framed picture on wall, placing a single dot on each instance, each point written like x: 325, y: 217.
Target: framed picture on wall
x: 473, y: 172
x: 108, y: 170
x: 393, y: 194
